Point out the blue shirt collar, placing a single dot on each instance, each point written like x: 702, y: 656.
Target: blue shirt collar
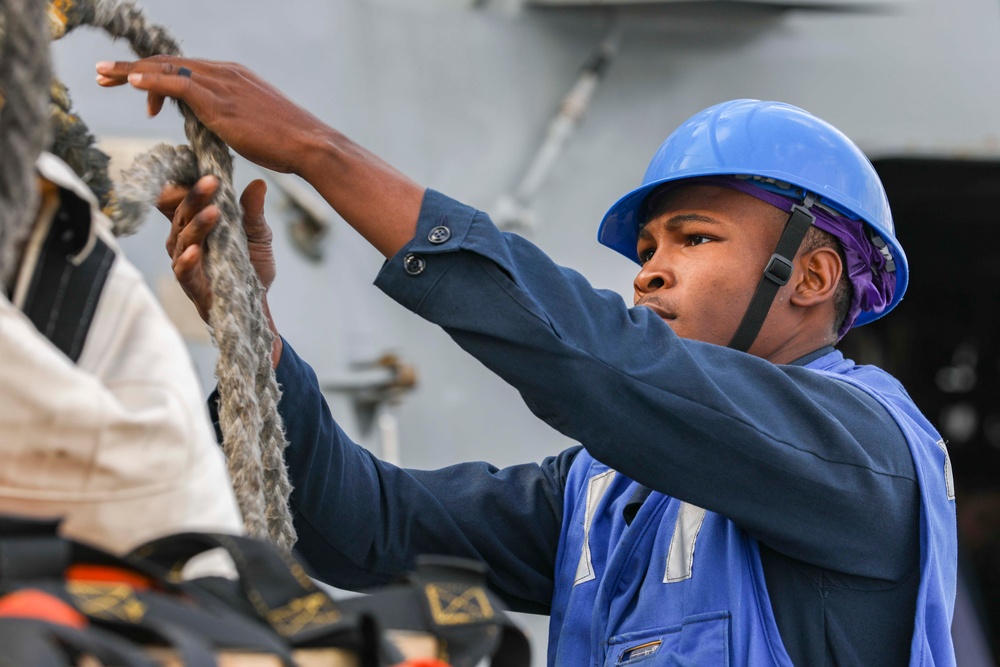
x: 812, y: 356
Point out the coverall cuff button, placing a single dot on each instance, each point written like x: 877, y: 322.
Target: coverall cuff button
x: 414, y: 264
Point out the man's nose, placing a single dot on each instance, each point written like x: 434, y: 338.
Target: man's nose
x: 655, y: 274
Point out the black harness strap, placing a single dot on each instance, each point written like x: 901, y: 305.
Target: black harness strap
x: 65, y: 288
x: 38, y: 643
x: 777, y: 272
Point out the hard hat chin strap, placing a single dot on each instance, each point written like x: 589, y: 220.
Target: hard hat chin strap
x: 777, y: 272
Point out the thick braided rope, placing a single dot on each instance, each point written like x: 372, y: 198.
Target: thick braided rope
x: 24, y: 77
x: 253, y: 437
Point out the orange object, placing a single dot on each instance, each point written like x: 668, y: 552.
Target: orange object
x: 108, y: 574
x: 33, y: 603
x: 423, y: 662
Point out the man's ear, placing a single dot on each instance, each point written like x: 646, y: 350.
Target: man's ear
x: 818, y: 274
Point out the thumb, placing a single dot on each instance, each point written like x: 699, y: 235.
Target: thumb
x: 252, y: 201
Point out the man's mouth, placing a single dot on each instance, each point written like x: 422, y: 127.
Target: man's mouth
x: 659, y: 310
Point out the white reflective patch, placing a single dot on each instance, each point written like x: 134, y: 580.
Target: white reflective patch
x: 949, y: 476
x: 680, y: 556
x: 597, y: 486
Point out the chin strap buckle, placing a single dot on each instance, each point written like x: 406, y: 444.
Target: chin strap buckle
x: 777, y: 273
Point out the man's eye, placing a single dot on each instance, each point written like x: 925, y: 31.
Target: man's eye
x: 698, y: 239
x: 646, y: 255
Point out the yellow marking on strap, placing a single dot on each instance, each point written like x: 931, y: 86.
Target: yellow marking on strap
x: 455, y: 604
x: 303, y: 613
x: 116, y: 602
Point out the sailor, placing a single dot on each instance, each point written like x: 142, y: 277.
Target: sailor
x: 742, y: 494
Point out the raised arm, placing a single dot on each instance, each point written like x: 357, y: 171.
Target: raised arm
x: 790, y: 454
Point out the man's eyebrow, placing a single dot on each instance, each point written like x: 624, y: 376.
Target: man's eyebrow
x: 675, y: 222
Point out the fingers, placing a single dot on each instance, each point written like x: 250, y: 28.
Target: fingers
x: 244, y: 111
x: 110, y: 74
x: 161, y: 86
x: 252, y: 201
x: 192, y: 216
x: 187, y: 266
x: 197, y: 198
x: 117, y: 73
x: 190, y: 274
x: 195, y: 233
x: 154, y: 104
x: 170, y: 198
x: 160, y: 76
x: 258, y: 233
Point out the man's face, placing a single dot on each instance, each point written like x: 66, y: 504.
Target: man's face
x: 703, y: 251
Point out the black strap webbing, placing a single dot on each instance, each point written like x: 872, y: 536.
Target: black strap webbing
x: 777, y: 272
x: 65, y: 288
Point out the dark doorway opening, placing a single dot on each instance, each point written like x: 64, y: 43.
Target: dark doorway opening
x: 943, y: 343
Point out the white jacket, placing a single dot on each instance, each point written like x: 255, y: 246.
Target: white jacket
x: 119, y: 442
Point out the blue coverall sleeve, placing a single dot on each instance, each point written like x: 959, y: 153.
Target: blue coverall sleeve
x: 361, y: 522
x: 790, y: 454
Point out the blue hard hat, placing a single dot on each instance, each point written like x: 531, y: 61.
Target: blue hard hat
x: 769, y: 140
